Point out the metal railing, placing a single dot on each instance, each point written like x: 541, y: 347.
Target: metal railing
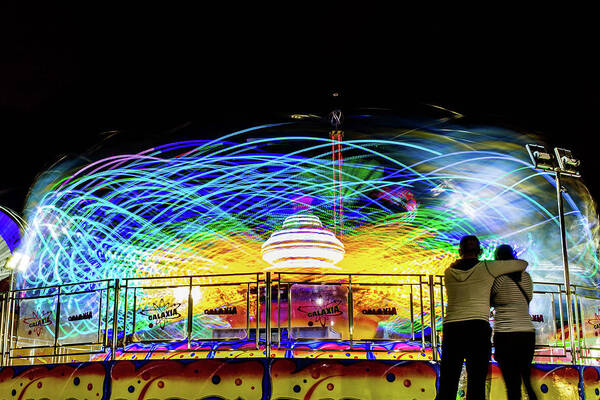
x: 413, y: 294
x: 553, y: 339
x: 35, y: 321
x: 590, y: 324
x: 270, y: 311
x: 183, y: 293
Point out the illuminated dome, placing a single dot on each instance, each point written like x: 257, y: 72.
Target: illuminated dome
x: 302, y: 243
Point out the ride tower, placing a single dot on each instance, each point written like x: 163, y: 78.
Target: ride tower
x: 336, y: 119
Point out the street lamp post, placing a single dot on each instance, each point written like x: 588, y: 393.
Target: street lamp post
x: 561, y: 163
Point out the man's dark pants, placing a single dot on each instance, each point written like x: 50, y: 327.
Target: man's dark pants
x: 470, y: 341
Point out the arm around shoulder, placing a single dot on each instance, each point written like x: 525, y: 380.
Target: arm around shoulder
x: 497, y: 268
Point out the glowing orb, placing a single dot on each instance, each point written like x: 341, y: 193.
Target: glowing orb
x: 303, y: 243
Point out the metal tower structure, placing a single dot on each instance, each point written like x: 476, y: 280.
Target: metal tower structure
x: 336, y: 119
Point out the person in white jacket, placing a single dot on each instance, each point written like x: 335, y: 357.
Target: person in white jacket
x: 466, y: 332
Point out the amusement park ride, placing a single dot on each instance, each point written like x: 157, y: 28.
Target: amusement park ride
x: 336, y: 119
x: 294, y: 247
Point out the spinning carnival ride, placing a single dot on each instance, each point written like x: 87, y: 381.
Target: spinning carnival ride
x: 263, y: 199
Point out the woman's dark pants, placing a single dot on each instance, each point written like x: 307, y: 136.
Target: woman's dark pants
x: 514, y: 353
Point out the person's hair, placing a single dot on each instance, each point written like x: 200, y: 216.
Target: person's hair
x: 469, y: 246
x: 505, y: 252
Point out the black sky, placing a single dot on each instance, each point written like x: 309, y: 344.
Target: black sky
x: 66, y: 74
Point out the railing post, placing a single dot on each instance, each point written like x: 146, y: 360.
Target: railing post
x: 268, y: 315
x: 57, y: 323
x: 422, y: 311
x: 576, y: 315
x: 432, y: 318
x: 555, y: 336
x: 257, y: 316
x: 115, y: 320
x: 562, y: 323
x: 105, y: 337
x: 125, y: 314
x: 248, y: 311
x: 190, y: 315
x: 8, y: 322
x: 99, y: 314
x: 350, y: 312
x: 14, y: 310
x: 279, y: 311
x: 583, y: 344
x: 412, y: 313
x: 443, y: 313
x: 289, y: 312
x: 134, y: 311
x: 2, y: 330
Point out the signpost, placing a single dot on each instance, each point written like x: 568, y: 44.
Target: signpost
x: 562, y: 163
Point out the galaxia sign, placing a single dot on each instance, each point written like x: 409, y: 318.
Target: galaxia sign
x: 37, y: 321
x: 319, y: 304
x: 322, y: 314
x: 40, y: 322
x: 221, y: 311
x: 380, y: 311
x: 79, y: 317
x: 330, y: 310
x: 161, y: 312
x: 167, y: 314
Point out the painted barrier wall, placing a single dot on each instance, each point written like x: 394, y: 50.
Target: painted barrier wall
x: 281, y: 379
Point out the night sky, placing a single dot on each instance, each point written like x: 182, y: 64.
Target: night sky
x: 68, y: 75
